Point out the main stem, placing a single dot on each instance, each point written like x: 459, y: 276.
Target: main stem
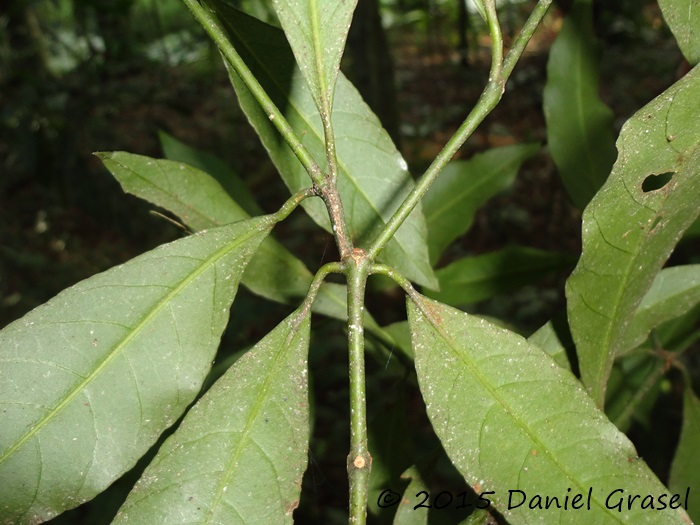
x: 359, y: 463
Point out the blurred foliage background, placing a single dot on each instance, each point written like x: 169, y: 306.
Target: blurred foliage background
x: 79, y: 76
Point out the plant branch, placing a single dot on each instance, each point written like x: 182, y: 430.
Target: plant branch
x: 359, y: 462
x: 211, y: 25
x: 291, y: 204
x: 491, y: 95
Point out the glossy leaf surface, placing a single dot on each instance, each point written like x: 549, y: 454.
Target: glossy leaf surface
x: 89, y: 380
x: 683, y: 17
x: 579, y: 125
x: 483, y: 388
x: 316, y: 31
x: 373, y: 178
x: 629, y: 230
x: 473, y: 279
x: 463, y: 186
x: 239, y: 455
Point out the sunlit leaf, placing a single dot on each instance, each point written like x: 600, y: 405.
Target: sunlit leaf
x: 463, y: 186
x: 316, y: 31
x: 511, y: 419
x: 579, y: 125
x: 683, y: 17
x: 239, y: 455
x: 373, y: 178
x: 685, y: 470
x: 473, y: 279
x: 673, y: 292
x: 89, y: 380
x: 629, y: 229
x: 176, y: 150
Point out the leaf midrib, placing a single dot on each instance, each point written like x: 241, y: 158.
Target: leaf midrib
x: 313, y: 129
x: 254, y: 413
x: 500, y: 400
x: 228, y: 247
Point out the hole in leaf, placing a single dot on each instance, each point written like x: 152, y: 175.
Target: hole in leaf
x: 656, y: 182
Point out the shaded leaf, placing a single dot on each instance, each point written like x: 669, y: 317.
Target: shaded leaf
x: 683, y: 17
x: 555, y: 339
x: 629, y: 232
x: 239, y: 454
x: 579, y: 125
x: 473, y: 279
x: 673, y: 292
x: 178, y: 151
x: 316, y: 31
x: 685, y: 469
x: 373, y: 178
x: 406, y: 514
x: 391, y: 443
x: 633, y: 388
x: 483, y: 387
x: 89, y: 380
x: 463, y: 186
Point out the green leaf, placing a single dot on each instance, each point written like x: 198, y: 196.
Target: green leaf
x: 473, y: 279
x: 683, y: 17
x: 406, y: 514
x: 239, y: 454
x: 555, y: 339
x: 178, y: 151
x: 579, y: 125
x: 316, y: 31
x: 633, y: 388
x: 463, y: 186
x: 484, y: 389
x: 629, y: 230
x: 479, y: 4
x: 685, y: 469
x: 201, y: 203
x: 674, y: 291
x: 89, y: 380
x: 194, y: 196
x: 373, y: 178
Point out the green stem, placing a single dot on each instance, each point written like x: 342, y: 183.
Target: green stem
x: 211, y: 26
x: 500, y: 71
x: 291, y: 204
x: 359, y: 460
x: 317, y: 281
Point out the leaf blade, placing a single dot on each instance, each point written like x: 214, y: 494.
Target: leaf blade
x: 373, y: 178
x: 482, y: 387
x: 579, y: 124
x: 683, y: 17
x: 473, y: 279
x: 317, y: 31
x: 226, y: 465
x: 463, y: 186
x: 673, y: 292
x: 105, y: 406
x: 629, y: 231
